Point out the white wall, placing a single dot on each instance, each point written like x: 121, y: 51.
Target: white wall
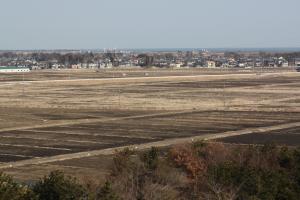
x: 14, y: 70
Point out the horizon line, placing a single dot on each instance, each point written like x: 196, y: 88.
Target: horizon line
x: 159, y: 49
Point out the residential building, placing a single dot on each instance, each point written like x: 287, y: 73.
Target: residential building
x: 13, y: 69
x: 211, y: 64
x: 297, y: 62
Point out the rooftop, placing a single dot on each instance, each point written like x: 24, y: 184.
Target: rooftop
x: 12, y: 67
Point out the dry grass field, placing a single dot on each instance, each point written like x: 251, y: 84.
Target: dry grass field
x: 59, y: 114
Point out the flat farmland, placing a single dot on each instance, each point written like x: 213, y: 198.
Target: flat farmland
x: 39, y: 75
x: 67, y: 121
x: 284, y: 137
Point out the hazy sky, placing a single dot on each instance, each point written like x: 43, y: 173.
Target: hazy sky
x: 95, y: 24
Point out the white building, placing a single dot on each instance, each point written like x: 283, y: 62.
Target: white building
x: 176, y: 65
x: 297, y: 62
x: 13, y: 69
x: 211, y: 64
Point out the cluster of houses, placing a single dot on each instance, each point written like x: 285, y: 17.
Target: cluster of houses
x: 178, y: 59
x: 251, y: 62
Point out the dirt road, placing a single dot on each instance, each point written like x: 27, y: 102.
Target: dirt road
x: 164, y: 143
x: 205, y: 76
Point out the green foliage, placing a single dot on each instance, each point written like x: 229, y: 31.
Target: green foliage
x: 198, y: 146
x: 255, y: 183
x: 150, y: 158
x: 107, y: 193
x: 57, y: 186
x: 286, y: 158
x: 195, y: 171
x: 10, y: 190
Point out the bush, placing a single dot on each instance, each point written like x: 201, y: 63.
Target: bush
x: 107, y: 193
x: 122, y: 162
x: 57, y: 186
x: 187, y: 157
x: 127, y: 175
x: 10, y: 190
x: 150, y: 158
x: 191, y: 171
x: 154, y: 191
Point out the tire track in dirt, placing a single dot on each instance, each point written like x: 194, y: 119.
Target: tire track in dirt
x: 90, y: 121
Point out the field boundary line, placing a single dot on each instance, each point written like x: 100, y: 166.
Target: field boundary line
x: 90, y: 121
x: 153, y: 77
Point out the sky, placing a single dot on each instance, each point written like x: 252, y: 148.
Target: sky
x: 98, y: 24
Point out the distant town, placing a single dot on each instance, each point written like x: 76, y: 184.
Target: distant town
x: 23, y: 61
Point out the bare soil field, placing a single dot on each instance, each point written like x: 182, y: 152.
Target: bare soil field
x: 63, y: 74
x: 284, y: 137
x: 49, y: 115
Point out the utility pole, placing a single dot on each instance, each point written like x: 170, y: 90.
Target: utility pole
x: 119, y: 98
x: 23, y: 89
x: 224, y: 95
